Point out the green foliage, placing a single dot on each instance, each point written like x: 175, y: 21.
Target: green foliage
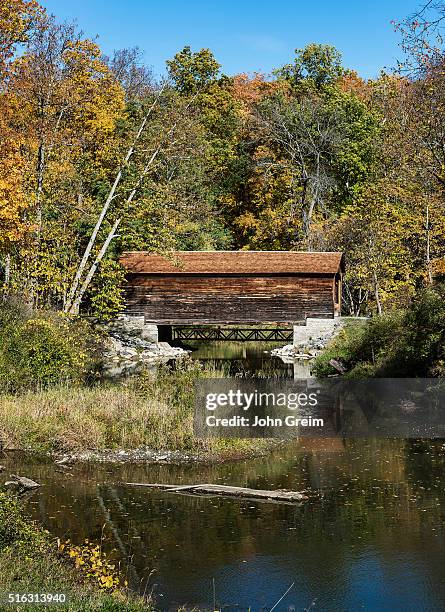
x: 378, y: 231
x: 41, y: 349
x: 356, y: 158
x: 401, y: 343
x: 361, y: 346
x: 106, y: 294
x: 191, y: 70
x: 15, y: 530
x: 316, y: 65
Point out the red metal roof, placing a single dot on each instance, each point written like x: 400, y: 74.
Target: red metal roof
x: 233, y: 262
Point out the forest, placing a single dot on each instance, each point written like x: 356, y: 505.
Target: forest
x: 99, y: 156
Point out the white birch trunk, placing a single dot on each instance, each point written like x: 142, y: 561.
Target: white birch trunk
x: 76, y: 303
x: 7, y: 270
x: 428, y: 254
x: 106, y: 206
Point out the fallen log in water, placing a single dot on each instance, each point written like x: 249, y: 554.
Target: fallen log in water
x: 214, y: 489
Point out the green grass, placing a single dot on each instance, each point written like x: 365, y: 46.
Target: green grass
x: 30, y: 563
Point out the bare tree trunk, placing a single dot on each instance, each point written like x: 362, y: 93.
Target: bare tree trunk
x: 7, y: 271
x: 103, y: 212
x: 428, y: 256
x: 73, y: 303
x: 34, y: 298
x: 39, y: 191
x: 76, y: 303
x: 308, y: 223
x: 376, y: 293
x: 74, y: 308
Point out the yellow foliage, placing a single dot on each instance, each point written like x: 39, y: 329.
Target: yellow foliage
x: 94, y: 564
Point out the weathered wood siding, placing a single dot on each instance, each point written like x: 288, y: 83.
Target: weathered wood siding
x: 229, y: 298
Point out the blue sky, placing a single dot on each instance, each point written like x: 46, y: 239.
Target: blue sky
x: 245, y: 35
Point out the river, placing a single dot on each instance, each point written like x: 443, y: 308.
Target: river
x: 372, y: 537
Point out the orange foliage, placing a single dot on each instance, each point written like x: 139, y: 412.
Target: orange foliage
x: 350, y: 82
x: 251, y: 90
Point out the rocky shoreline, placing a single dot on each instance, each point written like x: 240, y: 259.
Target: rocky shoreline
x: 147, y: 455
x: 136, y: 455
x: 131, y: 344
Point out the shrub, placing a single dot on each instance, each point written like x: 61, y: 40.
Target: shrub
x: 30, y: 562
x: 41, y: 349
x: 401, y: 343
x: 15, y: 530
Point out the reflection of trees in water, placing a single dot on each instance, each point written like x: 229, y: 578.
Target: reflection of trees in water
x: 384, y: 494
x: 425, y: 462
x: 251, y: 368
x: 245, y: 359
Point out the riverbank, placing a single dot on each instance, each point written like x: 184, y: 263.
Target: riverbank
x: 146, y: 418
x: 32, y: 563
x: 406, y: 343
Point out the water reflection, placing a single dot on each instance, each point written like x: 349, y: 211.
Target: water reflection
x: 372, y: 538
x: 247, y: 359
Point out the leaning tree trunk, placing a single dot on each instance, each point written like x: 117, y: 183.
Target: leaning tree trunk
x: 75, y: 297
x: 76, y: 303
x: 111, y: 194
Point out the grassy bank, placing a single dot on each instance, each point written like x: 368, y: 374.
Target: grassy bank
x: 53, y: 397
x: 400, y: 343
x: 30, y: 562
x: 146, y: 411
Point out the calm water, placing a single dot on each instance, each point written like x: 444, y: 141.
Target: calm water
x: 372, y: 539
x: 247, y: 359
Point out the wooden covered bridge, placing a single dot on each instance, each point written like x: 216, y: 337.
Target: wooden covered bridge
x: 193, y: 289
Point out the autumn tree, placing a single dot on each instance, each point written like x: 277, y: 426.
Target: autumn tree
x: 17, y: 20
x: 192, y: 70
x: 97, y: 157
x: 315, y: 148
x: 134, y: 76
x: 314, y: 66
x: 380, y: 232
x: 67, y: 105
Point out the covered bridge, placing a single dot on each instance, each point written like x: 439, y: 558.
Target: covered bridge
x: 225, y: 287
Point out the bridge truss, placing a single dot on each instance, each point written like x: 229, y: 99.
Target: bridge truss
x: 232, y: 334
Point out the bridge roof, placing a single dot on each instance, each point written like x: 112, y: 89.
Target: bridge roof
x: 234, y: 262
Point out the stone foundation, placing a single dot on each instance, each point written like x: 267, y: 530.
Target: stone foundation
x: 134, y: 326
x: 309, y: 339
x: 315, y: 330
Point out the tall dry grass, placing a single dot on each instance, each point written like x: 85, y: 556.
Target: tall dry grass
x: 149, y: 411
x: 81, y: 418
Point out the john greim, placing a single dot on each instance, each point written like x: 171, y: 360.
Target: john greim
x: 241, y: 421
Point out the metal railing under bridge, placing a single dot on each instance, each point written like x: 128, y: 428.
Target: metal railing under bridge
x: 233, y: 334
